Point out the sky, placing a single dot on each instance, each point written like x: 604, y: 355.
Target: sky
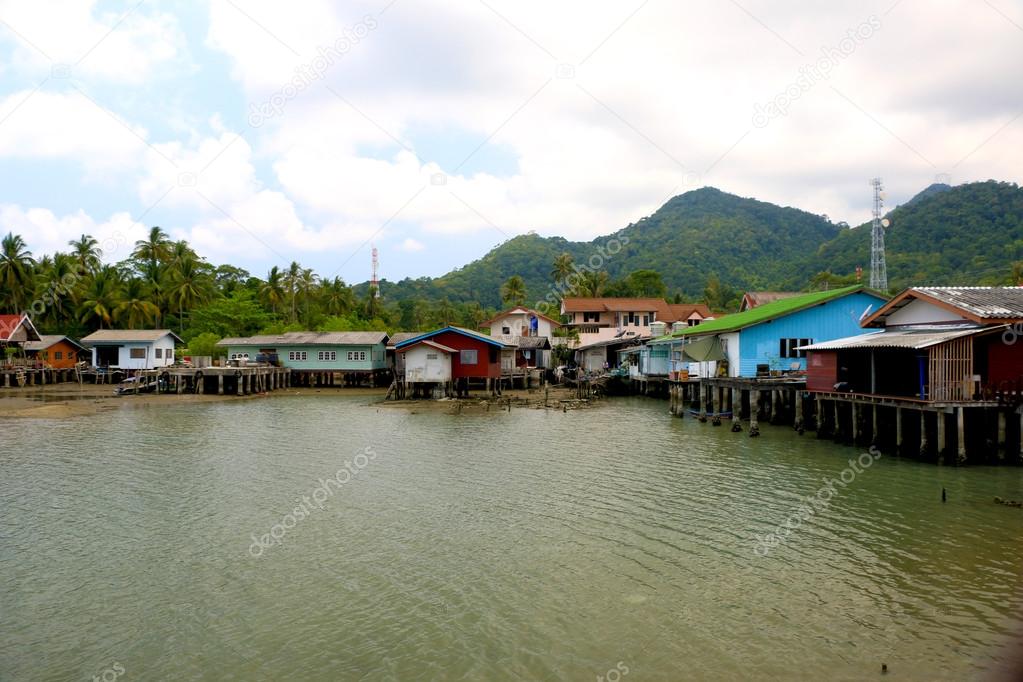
x: 267, y: 132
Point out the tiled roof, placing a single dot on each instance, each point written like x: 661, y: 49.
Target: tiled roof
x: 666, y: 312
x: 128, y: 335
x: 308, y: 339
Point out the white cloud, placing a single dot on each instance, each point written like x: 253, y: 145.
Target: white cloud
x: 412, y: 245
x: 125, y: 47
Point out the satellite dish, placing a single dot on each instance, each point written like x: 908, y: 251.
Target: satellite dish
x: 885, y: 222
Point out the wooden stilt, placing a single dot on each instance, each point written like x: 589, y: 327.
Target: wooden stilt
x: 924, y: 445
x: 754, y: 409
x: 961, y: 433
x: 1001, y: 445
x: 898, y: 431
x: 942, y: 435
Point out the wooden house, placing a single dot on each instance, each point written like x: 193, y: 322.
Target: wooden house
x: 131, y: 348
x: 769, y: 337
x: 474, y: 358
x: 395, y: 360
x: 56, y: 351
x: 356, y: 355
x: 946, y: 344
x: 523, y: 327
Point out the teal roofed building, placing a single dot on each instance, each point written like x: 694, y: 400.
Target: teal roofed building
x: 351, y: 353
x: 767, y: 338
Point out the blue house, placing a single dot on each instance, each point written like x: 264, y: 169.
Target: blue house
x: 767, y: 338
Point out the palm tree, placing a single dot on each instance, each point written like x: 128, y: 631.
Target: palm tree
x: 189, y: 286
x: 16, y: 271
x: 291, y: 283
x: 307, y: 281
x: 513, y: 291
x: 562, y: 267
x: 336, y: 296
x: 86, y: 252
x: 58, y: 282
x: 102, y: 292
x: 445, y: 312
x: 272, y: 291
x: 180, y: 251
x: 1017, y: 273
x: 153, y: 250
x: 134, y: 307
x: 591, y: 284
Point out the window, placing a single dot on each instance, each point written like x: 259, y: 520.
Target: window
x: 326, y: 355
x: 137, y: 353
x: 294, y: 355
x: 646, y: 320
x: 58, y: 355
x: 591, y: 317
x: 356, y: 356
x: 431, y: 356
x: 468, y: 357
x: 693, y: 321
x: 787, y: 348
x: 159, y: 353
x: 506, y: 330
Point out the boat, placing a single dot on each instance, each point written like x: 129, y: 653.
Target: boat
x: 133, y: 385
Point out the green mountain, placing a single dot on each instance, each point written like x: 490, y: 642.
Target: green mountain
x: 969, y: 234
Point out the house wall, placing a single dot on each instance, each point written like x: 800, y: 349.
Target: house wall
x: 822, y: 370
x: 921, y: 312
x: 68, y: 355
x: 424, y: 364
x: 488, y: 365
x: 150, y: 361
x: 825, y: 322
x: 376, y: 356
x: 516, y: 322
x: 654, y: 360
x: 1004, y: 361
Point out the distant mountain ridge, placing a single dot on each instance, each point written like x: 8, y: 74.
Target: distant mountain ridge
x: 956, y: 235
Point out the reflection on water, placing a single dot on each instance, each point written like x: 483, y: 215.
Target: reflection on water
x: 523, y: 545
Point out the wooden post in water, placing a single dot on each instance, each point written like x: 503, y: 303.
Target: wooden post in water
x: 837, y: 430
x: 1001, y: 445
x: 875, y: 438
x: 754, y: 408
x: 797, y: 397
x: 942, y: 436
x: 857, y: 434
x: 924, y: 445
x: 898, y: 430
x: 961, y: 433
x: 736, y: 406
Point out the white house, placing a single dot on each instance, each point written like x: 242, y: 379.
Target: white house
x: 427, y: 362
x: 132, y: 348
x: 519, y: 323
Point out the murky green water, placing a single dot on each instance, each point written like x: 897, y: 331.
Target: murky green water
x: 521, y: 546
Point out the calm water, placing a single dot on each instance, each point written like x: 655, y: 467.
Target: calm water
x: 521, y: 546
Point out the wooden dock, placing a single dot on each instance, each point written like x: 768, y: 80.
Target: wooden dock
x: 958, y: 432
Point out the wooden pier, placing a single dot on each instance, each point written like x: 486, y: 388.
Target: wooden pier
x: 977, y: 431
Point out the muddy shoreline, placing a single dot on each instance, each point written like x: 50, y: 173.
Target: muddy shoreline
x: 66, y: 401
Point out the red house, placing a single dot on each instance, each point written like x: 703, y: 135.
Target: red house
x: 475, y: 356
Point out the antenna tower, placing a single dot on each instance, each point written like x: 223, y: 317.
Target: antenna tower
x: 878, y: 268
x: 375, y: 280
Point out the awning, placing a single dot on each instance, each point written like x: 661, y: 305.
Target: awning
x: 909, y: 339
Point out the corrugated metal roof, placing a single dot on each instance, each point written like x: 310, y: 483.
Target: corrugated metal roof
x: 398, y: 337
x: 47, y: 340
x: 915, y: 339
x: 431, y: 344
x: 458, y: 330
x: 128, y: 335
x: 308, y: 339
x: 985, y: 302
